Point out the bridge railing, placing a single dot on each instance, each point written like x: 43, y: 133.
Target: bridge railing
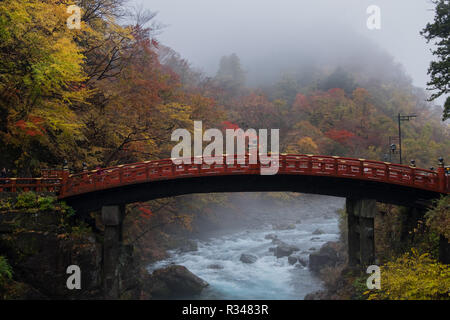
x: 52, y: 173
x: 30, y: 184
x: 288, y: 164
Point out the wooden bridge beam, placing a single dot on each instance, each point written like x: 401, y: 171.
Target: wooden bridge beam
x: 444, y: 250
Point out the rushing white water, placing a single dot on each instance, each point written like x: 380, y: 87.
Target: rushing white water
x: 217, y: 262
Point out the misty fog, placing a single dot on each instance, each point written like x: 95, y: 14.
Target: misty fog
x: 275, y: 37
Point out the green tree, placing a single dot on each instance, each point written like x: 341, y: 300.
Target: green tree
x: 5, y: 270
x: 230, y: 74
x: 439, y: 70
x: 339, y: 79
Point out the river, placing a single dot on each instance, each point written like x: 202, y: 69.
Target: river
x: 217, y: 259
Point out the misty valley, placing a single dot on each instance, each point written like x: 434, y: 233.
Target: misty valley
x: 263, y: 254
x: 224, y: 150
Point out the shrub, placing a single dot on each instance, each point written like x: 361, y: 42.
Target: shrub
x: 46, y: 203
x: 438, y: 218
x: 5, y: 270
x: 81, y: 230
x: 413, y: 277
x: 26, y: 200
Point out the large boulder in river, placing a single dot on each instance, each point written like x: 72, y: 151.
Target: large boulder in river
x: 329, y: 255
x: 174, y: 282
x: 248, y: 258
x: 285, y: 250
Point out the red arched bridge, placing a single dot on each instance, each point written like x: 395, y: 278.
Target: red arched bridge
x: 360, y: 181
x: 336, y: 176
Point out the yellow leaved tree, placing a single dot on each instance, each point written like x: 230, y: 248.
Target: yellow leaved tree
x: 413, y: 276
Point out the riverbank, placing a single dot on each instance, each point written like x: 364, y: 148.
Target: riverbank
x: 40, y: 238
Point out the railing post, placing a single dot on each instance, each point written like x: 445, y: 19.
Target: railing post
x: 309, y: 163
x: 38, y: 185
x: 335, y: 158
x: 412, y: 176
x: 441, y: 175
x: 173, y: 170
x: 361, y: 166
x: 121, y: 174
x: 64, y: 181
x: 146, y: 168
x: 282, y: 162
x: 13, y: 184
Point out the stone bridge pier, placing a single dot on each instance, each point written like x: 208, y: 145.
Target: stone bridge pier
x: 112, y: 218
x: 361, y: 241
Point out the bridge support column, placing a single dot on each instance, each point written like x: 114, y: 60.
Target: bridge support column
x: 353, y: 233
x: 444, y: 250
x: 360, y: 219
x: 112, y: 217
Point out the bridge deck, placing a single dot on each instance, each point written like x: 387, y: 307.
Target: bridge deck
x: 338, y: 167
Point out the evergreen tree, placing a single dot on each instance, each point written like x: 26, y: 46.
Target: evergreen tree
x: 339, y: 79
x: 230, y: 74
x: 439, y: 70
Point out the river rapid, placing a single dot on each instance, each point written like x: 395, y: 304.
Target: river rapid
x: 217, y: 259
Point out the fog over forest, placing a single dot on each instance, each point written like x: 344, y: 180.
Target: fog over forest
x: 286, y: 36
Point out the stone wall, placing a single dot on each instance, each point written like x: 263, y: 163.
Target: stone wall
x: 41, y: 245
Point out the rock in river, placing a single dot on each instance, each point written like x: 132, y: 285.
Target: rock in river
x: 328, y: 256
x: 284, y: 250
x: 174, y: 282
x: 292, y: 260
x: 271, y: 236
x: 317, y: 231
x: 248, y: 258
x: 277, y: 241
x: 302, y: 261
x: 283, y: 226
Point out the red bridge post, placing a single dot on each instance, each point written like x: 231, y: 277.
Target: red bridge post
x: 441, y: 176
x: 64, y: 181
